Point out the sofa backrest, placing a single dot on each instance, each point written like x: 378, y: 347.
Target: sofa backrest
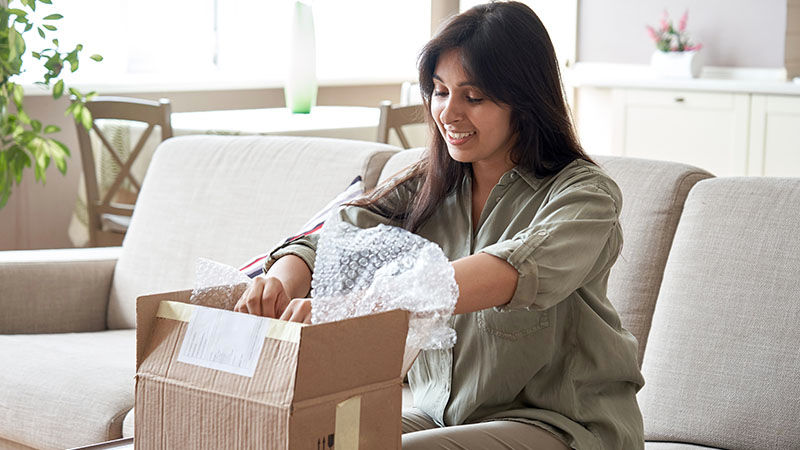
x: 228, y: 199
x: 653, y: 193
x: 723, y: 362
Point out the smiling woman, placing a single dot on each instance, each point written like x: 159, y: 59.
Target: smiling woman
x: 245, y: 42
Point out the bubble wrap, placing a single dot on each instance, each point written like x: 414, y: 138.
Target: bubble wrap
x: 362, y: 271
x: 217, y: 285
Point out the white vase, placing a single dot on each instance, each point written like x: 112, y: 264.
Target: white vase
x: 301, y: 81
x: 677, y: 64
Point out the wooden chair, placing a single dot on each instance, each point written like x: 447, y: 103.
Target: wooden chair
x: 396, y: 117
x: 109, y: 212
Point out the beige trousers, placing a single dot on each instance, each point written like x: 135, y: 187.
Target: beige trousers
x: 420, y: 432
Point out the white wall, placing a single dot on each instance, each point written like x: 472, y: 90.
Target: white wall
x: 734, y: 33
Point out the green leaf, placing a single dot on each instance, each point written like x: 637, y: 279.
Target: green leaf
x: 58, y: 89
x: 51, y: 129
x: 74, y: 92
x: 36, y: 55
x: 86, y: 118
x: 50, y: 27
x: 28, y: 27
x: 71, y: 109
x: 53, y: 17
x: 97, y: 58
x: 16, y: 44
x: 62, y: 147
x: 41, y: 33
x: 19, y: 94
x: 46, y: 2
x: 23, y: 117
x: 36, y: 125
x: 58, y: 154
x: 55, y: 42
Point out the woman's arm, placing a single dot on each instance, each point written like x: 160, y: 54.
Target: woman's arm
x: 269, y: 295
x: 483, y: 281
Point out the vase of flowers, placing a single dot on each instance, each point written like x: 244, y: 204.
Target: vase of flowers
x: 675, y: 55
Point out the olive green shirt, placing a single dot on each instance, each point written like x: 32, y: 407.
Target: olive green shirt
x: 556, y: 354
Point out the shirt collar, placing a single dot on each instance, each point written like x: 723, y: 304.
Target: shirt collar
x: 529, y: 177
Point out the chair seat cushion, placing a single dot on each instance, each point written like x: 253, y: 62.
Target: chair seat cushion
x: 67, y: 389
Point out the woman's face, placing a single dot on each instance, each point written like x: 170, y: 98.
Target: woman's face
x: 476, y: 129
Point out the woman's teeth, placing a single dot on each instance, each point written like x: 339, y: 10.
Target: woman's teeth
x: 455, y: 135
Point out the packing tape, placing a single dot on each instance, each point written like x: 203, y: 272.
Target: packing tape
x: 348, y: 421
x: 279, y: 329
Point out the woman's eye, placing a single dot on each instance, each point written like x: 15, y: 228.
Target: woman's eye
x: 474, y: 99
x: 439, y: 93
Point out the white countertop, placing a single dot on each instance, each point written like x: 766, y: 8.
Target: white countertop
x: 744, y: 80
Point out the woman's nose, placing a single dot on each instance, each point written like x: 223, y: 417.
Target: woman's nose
x: 451, y: 111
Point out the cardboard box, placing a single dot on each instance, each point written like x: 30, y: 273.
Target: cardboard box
x: 334, y: 385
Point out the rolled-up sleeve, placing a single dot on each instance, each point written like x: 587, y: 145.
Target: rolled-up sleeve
x: 572, y: 238
x: 304, y: 247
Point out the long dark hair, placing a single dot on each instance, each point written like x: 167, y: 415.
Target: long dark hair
x: 506, y: 52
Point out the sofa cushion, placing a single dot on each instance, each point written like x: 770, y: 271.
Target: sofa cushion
x: 722, y: 362
x: 68, y: 389
x: 226, y: 198
x: 400, y: 161
x: 653, y: 193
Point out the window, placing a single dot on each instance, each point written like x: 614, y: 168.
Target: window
x: 243, y: 43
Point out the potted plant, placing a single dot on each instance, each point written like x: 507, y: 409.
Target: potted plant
x: 24, y: 141
x: 675, y: 54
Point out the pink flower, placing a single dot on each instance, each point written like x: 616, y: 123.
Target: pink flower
x: 665, y: 21
x: 652, y: 32
x: 694, y: 47
x: 684, y: 19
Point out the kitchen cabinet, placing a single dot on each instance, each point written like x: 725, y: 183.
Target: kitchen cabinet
x: 774, y: 147
x: 704, y: 129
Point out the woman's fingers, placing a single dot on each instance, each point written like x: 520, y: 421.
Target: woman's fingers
x: 299, y: 310
x: 264, y: 297
x: 273, y: 298
x: 250, y: 301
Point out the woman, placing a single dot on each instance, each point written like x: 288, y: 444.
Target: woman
x: 530, y: 224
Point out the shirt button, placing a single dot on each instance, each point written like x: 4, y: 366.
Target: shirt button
x: 511, y: 175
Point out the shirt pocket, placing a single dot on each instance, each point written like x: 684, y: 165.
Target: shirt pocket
x: 516, y: 324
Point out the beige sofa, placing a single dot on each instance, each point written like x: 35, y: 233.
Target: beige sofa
x: 715, y: 308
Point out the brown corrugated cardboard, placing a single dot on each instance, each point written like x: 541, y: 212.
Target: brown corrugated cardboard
x: 334, y: 385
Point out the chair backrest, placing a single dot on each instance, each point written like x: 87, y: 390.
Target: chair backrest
x: 722, y: 363
x: 111, y: 199
x: 396, y: 117
x: 228, y: 198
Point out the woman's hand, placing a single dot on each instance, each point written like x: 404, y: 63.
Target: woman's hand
x: 266, y: 297
x: 299, y: 310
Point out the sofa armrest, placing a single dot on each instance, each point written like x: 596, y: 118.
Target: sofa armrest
x: 55, y: 291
